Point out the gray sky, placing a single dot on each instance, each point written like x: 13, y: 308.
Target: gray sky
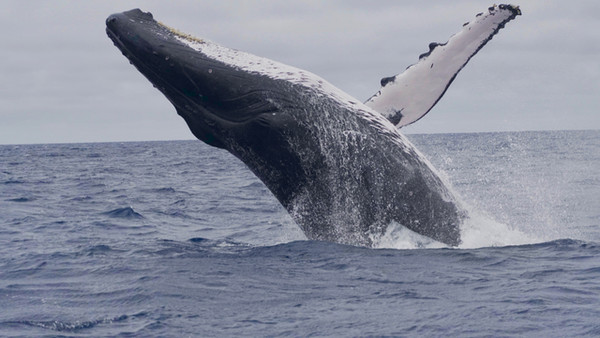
x: 62, y: 80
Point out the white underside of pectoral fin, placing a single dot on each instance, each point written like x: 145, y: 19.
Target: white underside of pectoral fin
x: 407, y: 97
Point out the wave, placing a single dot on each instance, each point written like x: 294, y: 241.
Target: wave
x: 11, y: 181
x: 164, y: 190
x: 127, y: 213
x: 68, y: 326
x: 27, y: 271
x: 21, y: 199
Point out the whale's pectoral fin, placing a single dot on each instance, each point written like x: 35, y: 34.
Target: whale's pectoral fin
x: 407, y: 97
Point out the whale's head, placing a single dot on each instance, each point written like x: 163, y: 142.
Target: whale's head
x: 229, y: 99
x: 218, y: 100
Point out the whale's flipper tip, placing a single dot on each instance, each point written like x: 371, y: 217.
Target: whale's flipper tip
x: 515, y: 9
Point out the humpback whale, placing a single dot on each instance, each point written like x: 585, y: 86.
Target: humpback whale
x: 339, y: 166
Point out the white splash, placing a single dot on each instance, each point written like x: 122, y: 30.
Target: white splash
x: 400, y: 237
x: 481, y: 231
x: 478, y: 231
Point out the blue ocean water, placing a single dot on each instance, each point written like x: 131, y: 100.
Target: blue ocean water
x: 180, y: 239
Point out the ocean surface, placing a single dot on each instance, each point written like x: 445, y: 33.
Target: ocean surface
x: 180, y: 239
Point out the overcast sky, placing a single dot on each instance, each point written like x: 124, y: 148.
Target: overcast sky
x: 62, y: 80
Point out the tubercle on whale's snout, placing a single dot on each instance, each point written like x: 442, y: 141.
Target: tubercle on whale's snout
x: 138, y: 16
x: 180, y: 34
x: 133, y: 15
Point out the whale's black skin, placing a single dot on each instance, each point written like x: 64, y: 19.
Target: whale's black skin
x: 342, y: 173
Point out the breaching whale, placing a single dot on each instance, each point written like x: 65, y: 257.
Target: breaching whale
x: 339, y: 166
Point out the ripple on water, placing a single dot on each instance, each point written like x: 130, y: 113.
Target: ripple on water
x: 127, y: 213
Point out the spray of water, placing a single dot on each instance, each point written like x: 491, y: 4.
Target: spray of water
x: 477, y: 231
